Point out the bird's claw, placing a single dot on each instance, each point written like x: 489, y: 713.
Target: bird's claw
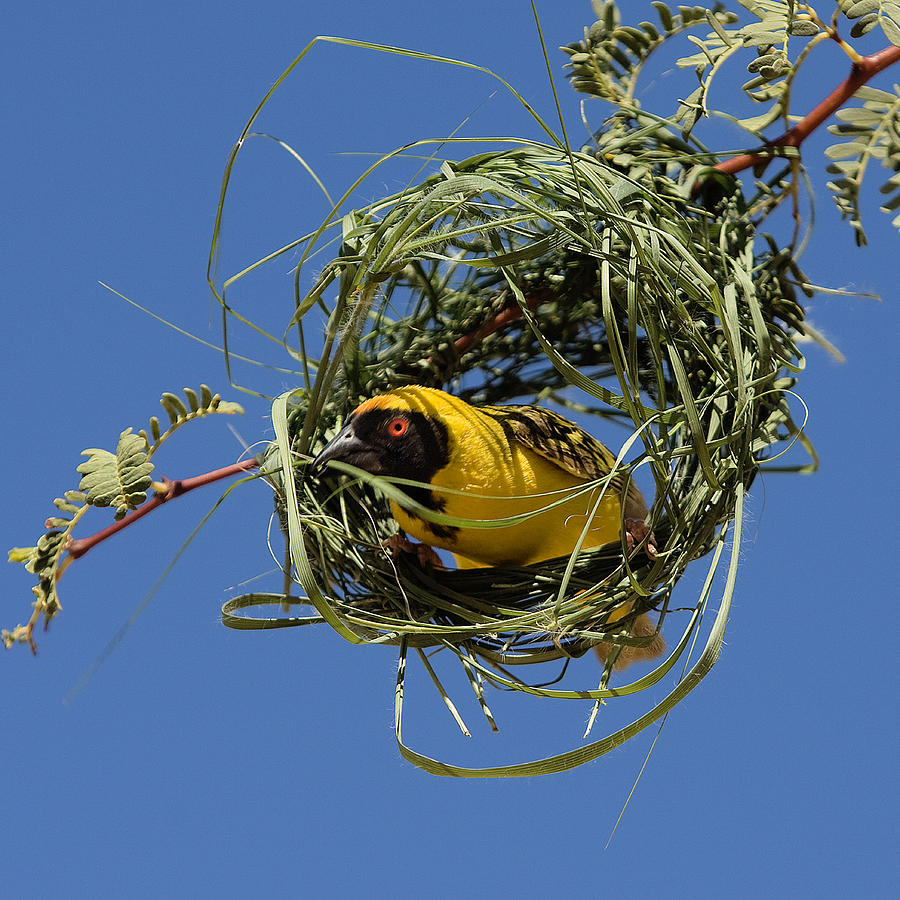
x: 400, y: 543
x: 636, y: 532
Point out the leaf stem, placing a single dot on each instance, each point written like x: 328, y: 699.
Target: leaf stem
x: 860, y: 73
x: 77, y: 548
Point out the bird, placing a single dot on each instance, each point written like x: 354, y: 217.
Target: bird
x: 491, y: 463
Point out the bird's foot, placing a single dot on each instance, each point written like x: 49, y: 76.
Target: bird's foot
x: 400, y: 543
x: 636, y: 531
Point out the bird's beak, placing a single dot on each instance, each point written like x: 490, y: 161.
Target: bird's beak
x: 346, y: 447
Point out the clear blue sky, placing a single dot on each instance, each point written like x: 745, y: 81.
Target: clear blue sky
x: 205, y: 762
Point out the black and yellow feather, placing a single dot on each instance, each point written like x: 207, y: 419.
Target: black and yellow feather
x: 566, y: 445
x: 490, y: 464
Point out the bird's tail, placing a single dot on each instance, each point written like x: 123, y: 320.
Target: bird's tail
x: 642, y: 627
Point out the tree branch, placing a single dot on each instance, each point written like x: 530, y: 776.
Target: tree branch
x: 860, y: 73
x: 506, y: 316
x: 77, y: 548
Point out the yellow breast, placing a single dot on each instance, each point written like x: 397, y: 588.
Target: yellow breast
x: 491, y: 477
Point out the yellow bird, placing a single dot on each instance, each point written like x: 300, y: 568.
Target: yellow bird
x: 490, y: 463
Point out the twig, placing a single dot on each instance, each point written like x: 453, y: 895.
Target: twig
x: 506, y: 316
x: 77, y: 548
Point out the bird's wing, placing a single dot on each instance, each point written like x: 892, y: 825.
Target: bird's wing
x: 565, y: 445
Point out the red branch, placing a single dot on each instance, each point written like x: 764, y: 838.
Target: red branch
x: 506, y: 315
x: 860, y: 73
x: 77, y: 548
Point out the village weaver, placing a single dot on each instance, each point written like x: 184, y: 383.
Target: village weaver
x: 494, y: 462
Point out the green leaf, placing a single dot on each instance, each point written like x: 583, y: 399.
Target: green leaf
x: 869, y: 13
x: 803, y: 28
x: 608, y: 63
x: 20, y: 554
x: 856, y: 8
x: 179, y: 414
x: 193, y: 403
x: 173, y: 406
x: 871, y: 133
x: 767, y: 59
x: 772, y: 66
x: 42, y: 558
x: 890, y: 25
x: 119, y: 479
x: 864, y: 25
x: 665, y: 15
x: 840, y: 151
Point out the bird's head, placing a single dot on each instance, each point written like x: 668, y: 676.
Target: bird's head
x: 400, y: 433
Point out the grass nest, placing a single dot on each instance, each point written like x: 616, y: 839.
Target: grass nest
x: 621, y: 283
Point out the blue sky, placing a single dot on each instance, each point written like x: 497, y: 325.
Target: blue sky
x: 200, y: 761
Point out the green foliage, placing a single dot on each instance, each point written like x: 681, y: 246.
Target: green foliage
x: 609, y: 60
x: 870, y: 132
x: 179, y: 414
x: 867, y: 14
x: 771, y: 69
x: 120, y: 480
x: 781, y: 35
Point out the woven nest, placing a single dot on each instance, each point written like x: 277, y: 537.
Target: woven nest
x: 531, y: 274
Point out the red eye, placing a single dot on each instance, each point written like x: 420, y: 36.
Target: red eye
x: 397, y: 427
